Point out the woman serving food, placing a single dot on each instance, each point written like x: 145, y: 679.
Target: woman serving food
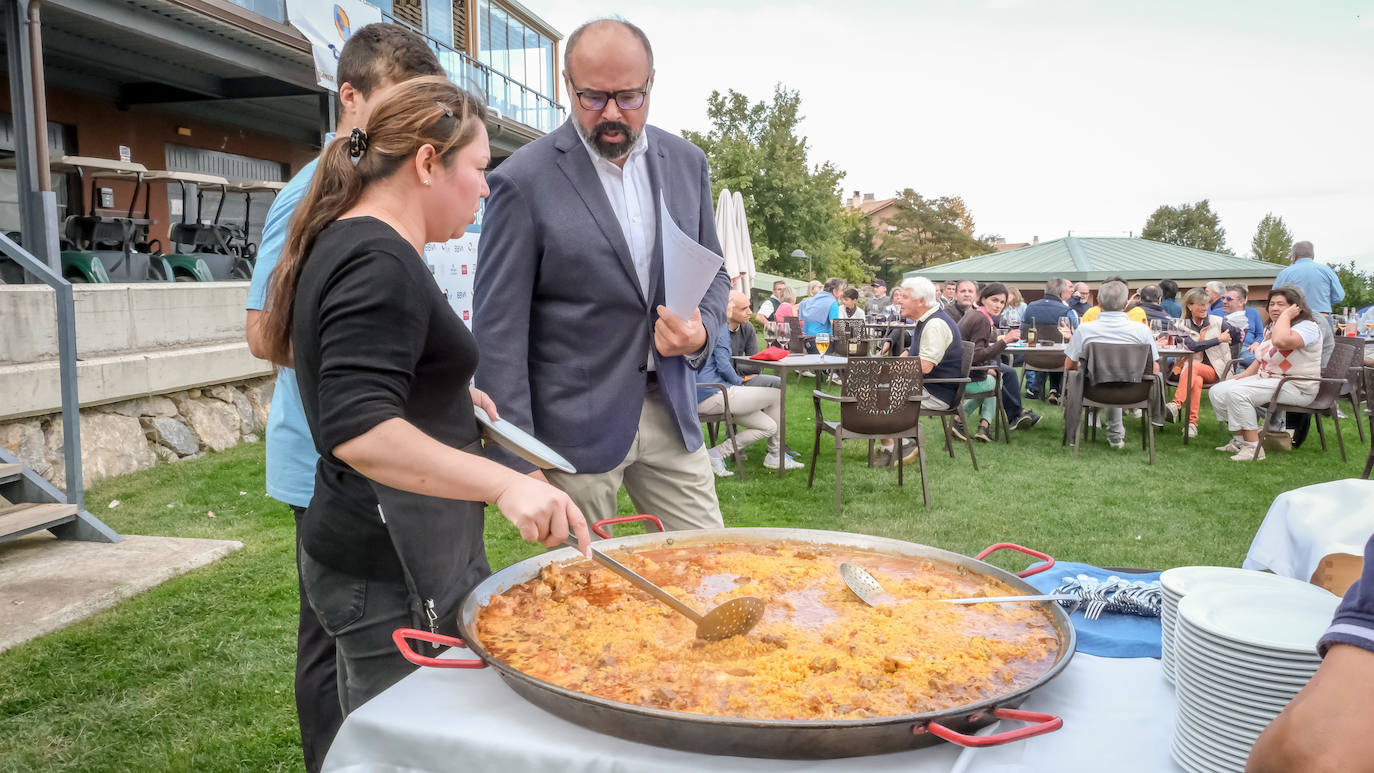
x: 393, y: 535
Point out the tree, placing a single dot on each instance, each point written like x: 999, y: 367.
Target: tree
x: 1187, y: 225
x: 1272, y: 240
x: 926, y: 232
x: 1358, y: 285
x: 754, y: 148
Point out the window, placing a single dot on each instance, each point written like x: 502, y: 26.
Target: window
x: 439, y: 21
x: 515, y: 50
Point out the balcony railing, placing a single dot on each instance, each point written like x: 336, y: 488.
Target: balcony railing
x: 508, y: 96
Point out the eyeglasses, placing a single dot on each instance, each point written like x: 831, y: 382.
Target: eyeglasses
x: 1232, y: 298
x: 627, y: 99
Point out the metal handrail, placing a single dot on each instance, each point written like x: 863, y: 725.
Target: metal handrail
x: 66, y: 353
x: 487, y: 75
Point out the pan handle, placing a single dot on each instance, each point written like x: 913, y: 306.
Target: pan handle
x: 1044, y: 723
x: 400, y: 635
x: 1013, y: 546
x: 648, y: 519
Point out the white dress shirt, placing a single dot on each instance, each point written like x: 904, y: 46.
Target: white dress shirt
x: 632, y: 200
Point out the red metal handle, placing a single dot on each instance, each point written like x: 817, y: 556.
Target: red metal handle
x: 603, y: 534
x: 1045, y: 723
x: 400, y: 635
x: 1013, y: 546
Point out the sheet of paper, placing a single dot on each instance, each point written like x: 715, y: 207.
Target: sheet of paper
x: 688, y: 267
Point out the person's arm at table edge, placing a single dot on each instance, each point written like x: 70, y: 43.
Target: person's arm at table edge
x: 1326, y: 728
x: 508, y: 261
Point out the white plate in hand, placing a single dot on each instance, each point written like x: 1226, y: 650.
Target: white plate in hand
x: 521, y: 443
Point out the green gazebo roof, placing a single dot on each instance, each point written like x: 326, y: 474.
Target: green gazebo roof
x: 1092, y: 259
x: 765, y: 282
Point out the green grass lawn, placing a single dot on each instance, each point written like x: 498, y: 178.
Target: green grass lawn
x: 196, y: 674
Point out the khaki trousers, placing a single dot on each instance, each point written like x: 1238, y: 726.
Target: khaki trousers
x: 661, y: 477
x: 754, y: 408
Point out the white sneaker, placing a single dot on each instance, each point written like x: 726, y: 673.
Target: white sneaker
x: 1192, y: 430
x: 718, y: 466
x: 1171, y: 412
x: 1117, y: 444
x: 1231, y: 447
x: 771, y: 462
x: 1247, y: 453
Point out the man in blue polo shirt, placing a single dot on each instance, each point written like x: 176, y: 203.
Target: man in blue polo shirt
x: 375, y: 57
x: 1319, y: 284
x: 817, y: 311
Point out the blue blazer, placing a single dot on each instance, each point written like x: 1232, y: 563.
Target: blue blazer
x: 562, y: 324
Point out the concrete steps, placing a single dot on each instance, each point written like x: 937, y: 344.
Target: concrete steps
x: 26, y: 517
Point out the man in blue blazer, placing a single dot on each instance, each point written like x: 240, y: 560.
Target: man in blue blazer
x: 576, y: 345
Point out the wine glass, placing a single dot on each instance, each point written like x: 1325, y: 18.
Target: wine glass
x: 822, y: 342
x: 1338, y: 321
x: 1012, y: 316
x: 1065, y: 328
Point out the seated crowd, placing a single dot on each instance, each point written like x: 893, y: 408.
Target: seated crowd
x: 1238, y: 353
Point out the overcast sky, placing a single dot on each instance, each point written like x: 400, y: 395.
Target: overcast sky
x: 1050, y: 116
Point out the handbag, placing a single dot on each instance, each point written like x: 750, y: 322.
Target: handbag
x: 1276, y: 440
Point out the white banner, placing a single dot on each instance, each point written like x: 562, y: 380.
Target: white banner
x: 454, y: 263
x: 328, y: 24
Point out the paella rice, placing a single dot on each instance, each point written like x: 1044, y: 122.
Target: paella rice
x: 818, y: 654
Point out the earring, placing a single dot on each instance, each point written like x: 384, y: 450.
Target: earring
x: 426, y: 182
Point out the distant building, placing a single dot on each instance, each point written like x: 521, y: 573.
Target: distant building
x: 877, y: 211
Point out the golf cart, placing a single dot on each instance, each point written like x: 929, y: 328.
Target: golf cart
x: 104, y: 238
x: 99, y: 244
x: 241, y: 235
x: 208, y: 249
x: 200, y: 249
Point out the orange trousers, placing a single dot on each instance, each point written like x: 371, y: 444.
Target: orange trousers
x: 1203, y: 375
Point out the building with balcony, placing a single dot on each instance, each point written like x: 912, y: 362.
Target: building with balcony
x: 229, y: 88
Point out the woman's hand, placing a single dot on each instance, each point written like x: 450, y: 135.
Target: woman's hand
x: 483, y: 400
x: 1012, y: 335
x: 542, y: 513
x: 1225, y: 337
x: 1290, y: 312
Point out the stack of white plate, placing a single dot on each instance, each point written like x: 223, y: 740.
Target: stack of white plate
x: 1177, y: 583
x: 1241, y: 654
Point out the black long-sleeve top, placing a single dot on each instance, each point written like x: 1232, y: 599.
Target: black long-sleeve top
x: 374, y: 339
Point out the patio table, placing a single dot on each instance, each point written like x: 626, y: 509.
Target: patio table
x: 820, y: 363
x: 442, y: 720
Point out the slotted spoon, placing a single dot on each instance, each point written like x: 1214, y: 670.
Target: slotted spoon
x: 733, y: 618
x: 866, y: 587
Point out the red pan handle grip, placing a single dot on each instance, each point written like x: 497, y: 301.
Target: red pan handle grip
x: 1013, y: 546
x: 1044, y: 723
x: 603, y: 534
x: 400, y: 635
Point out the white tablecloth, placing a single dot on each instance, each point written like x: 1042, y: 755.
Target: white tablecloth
x: 469, y: 721
x: 1305, y: 524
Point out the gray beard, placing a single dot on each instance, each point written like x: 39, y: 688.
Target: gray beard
x: 610, y: 152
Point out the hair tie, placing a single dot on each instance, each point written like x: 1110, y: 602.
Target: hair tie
x: 357, y: 143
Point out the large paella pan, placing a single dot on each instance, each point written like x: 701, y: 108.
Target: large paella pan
x: 823, y: 675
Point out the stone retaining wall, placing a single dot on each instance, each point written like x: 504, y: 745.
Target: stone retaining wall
x: 132, y: 435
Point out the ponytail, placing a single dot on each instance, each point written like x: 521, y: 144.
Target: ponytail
x: 335, y: 187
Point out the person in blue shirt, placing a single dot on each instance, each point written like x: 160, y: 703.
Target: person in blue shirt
x: 753, y: 408
x: 375, y: 57
x: 817, y: 311
x: 1319, y: 284
x: 1046, y: 311
x: 1234, y: 305
x: 1169, y: 301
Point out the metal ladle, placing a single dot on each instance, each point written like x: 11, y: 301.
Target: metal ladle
x: 733, y: 618
x: 866, y: 587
